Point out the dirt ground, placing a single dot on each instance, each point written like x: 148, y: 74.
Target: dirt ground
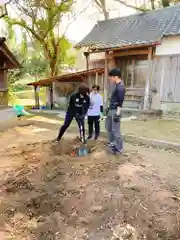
x: 152, y: 128
x: 48, y: 195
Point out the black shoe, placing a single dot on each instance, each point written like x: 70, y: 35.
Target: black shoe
x: 110, y: 144
x: 56, y: 140
x: 83, y: 141
x: 116, y: 151
x: 96, y: 138
x: 89, y: 137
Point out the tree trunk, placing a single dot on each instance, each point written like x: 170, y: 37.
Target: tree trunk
x: 52, y: 60
x: 105, y: 12
x: 53, y: 67
x: 101, y: 4
x: 165, y: 3
x: 152, y: 5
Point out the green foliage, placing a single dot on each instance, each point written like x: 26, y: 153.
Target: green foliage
x: 33, y: 66
x: 23, y: 46
x: 42, y: 20
x: 36, y: 66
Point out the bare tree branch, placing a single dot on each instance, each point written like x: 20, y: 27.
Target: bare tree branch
x: 131, y: 6
x: 101, y: 4
x: 5, y: 9
x: 75, y: 17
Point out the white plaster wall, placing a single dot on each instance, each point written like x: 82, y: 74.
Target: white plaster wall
x: 59, y: 101
x: 80, y: 60
x: 97, y: 56
x: 169, y: 46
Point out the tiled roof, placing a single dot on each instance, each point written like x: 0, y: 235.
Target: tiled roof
x: 4, y: 50
x: 144, y: 28
x: 2, y: 40
x: 69, y: 77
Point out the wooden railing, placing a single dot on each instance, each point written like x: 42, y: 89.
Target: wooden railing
x: 3, y: 97
x: 135, y: 93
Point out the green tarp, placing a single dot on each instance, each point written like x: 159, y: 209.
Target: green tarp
x: 19, y: 110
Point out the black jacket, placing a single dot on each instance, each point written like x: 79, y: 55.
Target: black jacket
x: 117, y: 97
x: 78, y: 104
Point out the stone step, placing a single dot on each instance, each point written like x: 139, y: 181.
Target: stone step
x: 134, y: 104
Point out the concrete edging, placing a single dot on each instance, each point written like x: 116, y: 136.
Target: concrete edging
x: 144, y: 141
x: 152, y: 143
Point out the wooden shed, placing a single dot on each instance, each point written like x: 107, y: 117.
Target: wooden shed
x: 146, y: 47
x: 7, y: 61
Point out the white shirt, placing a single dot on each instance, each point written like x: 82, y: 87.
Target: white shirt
x: 96, y: 101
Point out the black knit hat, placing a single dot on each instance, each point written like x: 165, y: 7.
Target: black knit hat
x: 115, y: 72
x: 96, y: 87
x: 83, y: 89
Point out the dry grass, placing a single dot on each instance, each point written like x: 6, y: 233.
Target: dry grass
x: 167, y: 130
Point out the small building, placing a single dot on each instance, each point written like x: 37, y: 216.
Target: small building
x: 146, y: 47
x: 7, y: 61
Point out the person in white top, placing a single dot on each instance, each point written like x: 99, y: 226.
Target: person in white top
x: 95, y: 112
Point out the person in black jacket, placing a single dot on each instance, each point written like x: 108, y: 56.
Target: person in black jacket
x: 77, y: 108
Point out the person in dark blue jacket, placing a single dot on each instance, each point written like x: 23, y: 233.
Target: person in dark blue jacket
x: 114, y: 112
x: 77, y: 108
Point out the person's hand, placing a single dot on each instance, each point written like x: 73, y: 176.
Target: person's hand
x: 116, y: 118
x: 101, y: 117
x: 106, y: 111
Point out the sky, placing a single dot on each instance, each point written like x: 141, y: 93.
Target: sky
x: 3, y: 1
x: 85, y: 16
x: 86, y: 20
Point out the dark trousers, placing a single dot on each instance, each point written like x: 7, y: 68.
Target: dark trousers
x: 68, y: 119
x: 93, y: 122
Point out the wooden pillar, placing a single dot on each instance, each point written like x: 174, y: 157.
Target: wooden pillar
x: 6, y: 97
x: 163, y: 67
x: 148, y: 80
x: 96, y: 81
x: 48, y: 101
x: 106, y: 80
x: 133, y: 73
x: 102, y: 82
x: 51, y: 96
x: 87, y: 56
x: 111, y: 60
x: 36, y: 95
x: 111, y: 65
